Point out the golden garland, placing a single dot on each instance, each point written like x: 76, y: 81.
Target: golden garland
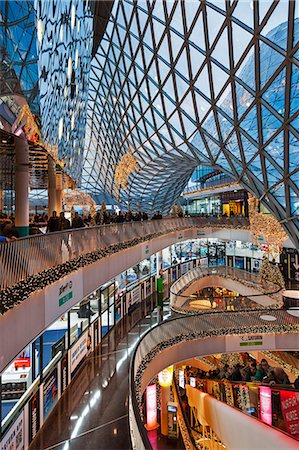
x: 267, y: 227
x: 30, y: 127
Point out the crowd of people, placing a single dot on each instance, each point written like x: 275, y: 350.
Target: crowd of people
x: 260, y: 372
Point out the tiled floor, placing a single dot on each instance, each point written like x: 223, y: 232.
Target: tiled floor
x: 93, y: 411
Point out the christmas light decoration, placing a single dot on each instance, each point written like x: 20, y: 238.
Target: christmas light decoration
x: 265, y: 229
x: 127, y: 165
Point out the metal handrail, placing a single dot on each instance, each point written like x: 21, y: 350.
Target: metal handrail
x: 33, y: 254
x: 164, y: 335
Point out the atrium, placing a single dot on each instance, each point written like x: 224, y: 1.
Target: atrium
x: 149, y: 224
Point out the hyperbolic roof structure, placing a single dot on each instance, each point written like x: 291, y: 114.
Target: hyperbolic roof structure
x: 184, y: 83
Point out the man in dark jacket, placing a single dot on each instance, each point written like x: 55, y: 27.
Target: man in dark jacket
x: 77, y: 221
x: 53, y: 223
x: 64, y: 223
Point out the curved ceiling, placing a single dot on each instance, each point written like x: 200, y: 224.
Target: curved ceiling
x: 187, y: 83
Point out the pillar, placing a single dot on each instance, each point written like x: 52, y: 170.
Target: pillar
x: 22, y: 186
x: 59, y: 192
x: 51, y: 185
x: 165, y: 398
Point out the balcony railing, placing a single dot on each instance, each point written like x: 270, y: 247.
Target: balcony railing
x: 182, y: 330
x: 31, y: 255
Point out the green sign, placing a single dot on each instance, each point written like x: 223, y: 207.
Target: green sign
x: 250, y: 344
x: 65, y: 298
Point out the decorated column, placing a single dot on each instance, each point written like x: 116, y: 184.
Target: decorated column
x: 165, y: 381
x: 22, y: 186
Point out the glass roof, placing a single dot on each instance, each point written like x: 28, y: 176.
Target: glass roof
x: 183, y: 83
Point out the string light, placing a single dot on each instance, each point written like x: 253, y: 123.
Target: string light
x: 267, y: 227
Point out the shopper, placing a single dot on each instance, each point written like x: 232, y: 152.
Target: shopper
x: 263, y: 370
x: 277, y: 376
x: 77, y: 221
x: 53, y: 223
x: 64, y: 223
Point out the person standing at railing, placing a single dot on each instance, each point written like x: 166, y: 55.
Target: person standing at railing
x: 77, y: 221
x: 53, y: 223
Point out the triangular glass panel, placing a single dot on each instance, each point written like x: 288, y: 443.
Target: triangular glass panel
x: 163, y: 51
x: 244, y: 99
x: 275, y: 94
x: 214, y: 148
x: 248, y: 148
x: 197, y: 36
x: 225, y: 102
x: 274, y: 32
x: 219, y: 78
x: 187, y: 106
x: 273, y: 175
x: 202, y: 106
x: 246, y: 71
x: 244, y: 12
x: 270, y: 124
x: 210, y: 125
x: 176, y: 44
x: 294, y: 104
x: 233, y: 147
x: 202, y: 83
x: 241, y: 39
x: 249, y: 123
x: 182, y: 64
x: 293, y: 152
x: 221, y: 51
x: 197, y: 58
x: 222, y: 161
x: 190, y: 12
x: 294, y: 200
x: 225, y: 126
x: 270, y: 60
x: 279, y: 193
x: 215, y: 20
x: 276, y: 149
x: 256, y: 168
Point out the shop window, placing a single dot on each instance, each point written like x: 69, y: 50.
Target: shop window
x: 79, y: 320
x: 104, y: 323
x: 54, y: 339
x: 16, y: 379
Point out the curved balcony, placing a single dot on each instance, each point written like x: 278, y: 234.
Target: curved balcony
x: 183, y: 338
x: 256, y: 294
x: 29, y: 256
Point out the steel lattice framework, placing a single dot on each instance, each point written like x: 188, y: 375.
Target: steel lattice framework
x: 184, y: 83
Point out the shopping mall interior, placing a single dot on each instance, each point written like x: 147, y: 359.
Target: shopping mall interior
x: 149, y: 224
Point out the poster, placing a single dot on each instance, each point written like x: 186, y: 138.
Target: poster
x: 50, y: 391
x: 79, y: 351
x: 64, y: 373
x: 151, y: 407
x: 290, y: 411
x: 266, y: 404
x: 34, y: 416
x: 14, y: 438
x: 182, y: 379
x: 135, y: 295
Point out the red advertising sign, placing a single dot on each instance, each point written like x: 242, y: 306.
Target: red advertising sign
x: 290, y: 410
x: 266, y: 404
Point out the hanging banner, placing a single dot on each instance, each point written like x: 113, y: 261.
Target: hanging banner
x: 64, y: 373
x: 249, y: 342
x: 78, y: 351
x: 34, y: 416
x: 266, y: 404
x: 135, y: 295
x: 15, y: 437
x: 50, y: 391
x: 290, y: 411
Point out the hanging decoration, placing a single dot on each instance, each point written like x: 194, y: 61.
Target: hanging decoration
x: 272, y: 273
x: 265, y: 229
x: 127, y: 165
x: 27, y: 120
x: 75, y: 197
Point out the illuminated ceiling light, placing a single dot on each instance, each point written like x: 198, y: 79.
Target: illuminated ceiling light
x: 73, y: 17
x: 40, y: 30
x: 78, y: 26
x: 65, y: 91
x: 61, y: 33
x: 67, y: 136
x: 76, y: 58
x: 60, y: 128
x: 73, y: 121
x: 69, y: 68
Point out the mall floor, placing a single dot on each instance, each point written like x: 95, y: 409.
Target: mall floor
x: 93, y: 411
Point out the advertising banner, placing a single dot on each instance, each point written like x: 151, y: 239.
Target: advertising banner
x: 64, y: 373
x: 79, y: 351
x: 63, y: 294
x: 249, y: 342
x: 15, y: 436
x: 50, y: 391
x: 151, y: 407
x: 290, y: 411
x: 266, y: 404
x: 34, y: 416
x: 135, y: 295
x: 181, y: 379
x: 184, y: 268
